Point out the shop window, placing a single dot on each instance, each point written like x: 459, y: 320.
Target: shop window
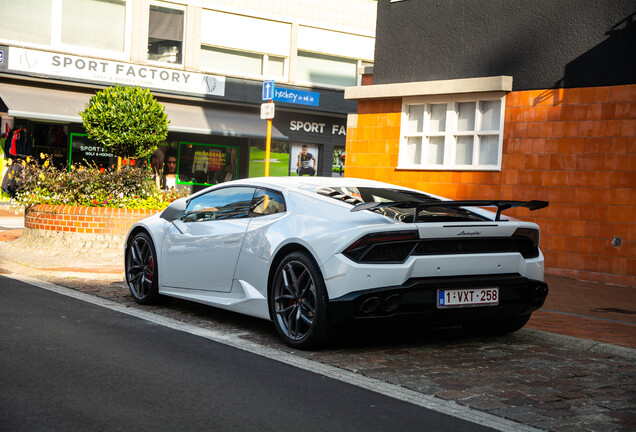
x: 278, y: 158
x: 206, y: 164
x: 26, y: 21
x: 328, y: 70
x: 338, y: 164
x: 83, y: 151
x: 52, y: 140
x: 165, y: 34
x: 458, y: 133
x: 235, y: 62
x: 81, y: 19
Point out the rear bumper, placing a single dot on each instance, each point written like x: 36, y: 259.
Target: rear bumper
x: 517, y: 296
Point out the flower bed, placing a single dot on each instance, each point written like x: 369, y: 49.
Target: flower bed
x: 91, y: 186
x: 84, y: 210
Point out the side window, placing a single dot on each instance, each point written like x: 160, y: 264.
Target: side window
x: 225, y: 203
x: 267, y: 202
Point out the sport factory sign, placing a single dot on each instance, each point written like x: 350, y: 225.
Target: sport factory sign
x: 107, y: 71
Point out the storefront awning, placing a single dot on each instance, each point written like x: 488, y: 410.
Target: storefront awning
x: 37, y: 103
x: 43, y: 103
x: 204, y: 120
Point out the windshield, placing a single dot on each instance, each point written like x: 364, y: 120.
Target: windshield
x: 406, y: 202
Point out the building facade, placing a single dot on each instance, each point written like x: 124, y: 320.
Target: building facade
x: 206, y: 61
x: 511, y: 100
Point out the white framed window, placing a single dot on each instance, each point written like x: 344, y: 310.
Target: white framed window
x: 83, y: 27
x: 458, y: 132
x: 81, y: 18
x: 166, y: 27
x: 313, y: 68
x: 26, y: 21
x: 242, y: 63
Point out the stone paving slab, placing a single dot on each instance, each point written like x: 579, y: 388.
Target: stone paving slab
x: 551, y: 382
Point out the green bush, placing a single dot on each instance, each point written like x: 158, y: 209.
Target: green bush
x: 127, y: 121
x: 91, y: 186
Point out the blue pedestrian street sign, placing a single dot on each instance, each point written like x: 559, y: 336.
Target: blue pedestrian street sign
x: 268, y: 90
x: 296, y: 96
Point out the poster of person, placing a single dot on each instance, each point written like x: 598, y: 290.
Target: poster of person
x: 304, y: 159
x: 278, y: 158
x: 163, y: 165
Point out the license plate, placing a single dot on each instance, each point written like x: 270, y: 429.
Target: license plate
x: 468, y: 297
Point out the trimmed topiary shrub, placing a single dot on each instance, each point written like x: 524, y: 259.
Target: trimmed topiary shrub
x: 127, y: 121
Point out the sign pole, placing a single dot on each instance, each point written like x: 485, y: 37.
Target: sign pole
x: 267, y: 112
x: 268, y: 145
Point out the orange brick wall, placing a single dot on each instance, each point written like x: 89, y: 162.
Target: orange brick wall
x: 573, y: 147
x: 86, y: 220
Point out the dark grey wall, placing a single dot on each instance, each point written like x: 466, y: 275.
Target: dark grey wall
x: 251, y: 91
x: 540, y: 43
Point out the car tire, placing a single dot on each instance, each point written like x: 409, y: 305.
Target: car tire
x: 298, y: 302
x: 141, y: 269
x: 495, y: 328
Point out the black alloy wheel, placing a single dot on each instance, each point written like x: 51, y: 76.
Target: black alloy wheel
x: 299, y: 302
x: 141, y: 269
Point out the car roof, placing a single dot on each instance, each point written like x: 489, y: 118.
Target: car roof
x: 313, y: 183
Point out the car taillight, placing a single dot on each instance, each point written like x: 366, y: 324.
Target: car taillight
x: 388, y: 247
x: 533, y: 234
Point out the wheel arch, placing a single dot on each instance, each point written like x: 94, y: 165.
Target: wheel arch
x: 136, y: 230
x: 282, y: 253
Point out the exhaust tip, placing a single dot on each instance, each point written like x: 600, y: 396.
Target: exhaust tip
x: 370, y: 305
x: 391, y: 303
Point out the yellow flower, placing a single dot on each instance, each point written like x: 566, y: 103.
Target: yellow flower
x: 41, y: 176
x: 46, y: 163
x: 42, y: 156
x: 28, y: 159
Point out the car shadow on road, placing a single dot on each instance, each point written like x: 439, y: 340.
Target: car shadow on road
x: 395, y: 333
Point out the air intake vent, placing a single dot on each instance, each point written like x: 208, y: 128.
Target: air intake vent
x: 522, y: 245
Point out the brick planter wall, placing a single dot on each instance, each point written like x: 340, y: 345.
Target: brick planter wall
x: 573, y: 147
x: 77, y: 231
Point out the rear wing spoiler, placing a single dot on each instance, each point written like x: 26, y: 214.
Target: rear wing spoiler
x: 501, y: 205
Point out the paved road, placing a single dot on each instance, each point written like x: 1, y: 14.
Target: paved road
x: 69, y: 365
x: 539, y: 379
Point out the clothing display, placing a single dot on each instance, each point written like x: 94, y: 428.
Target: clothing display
x: 11, y: 178
x: 19, y: 143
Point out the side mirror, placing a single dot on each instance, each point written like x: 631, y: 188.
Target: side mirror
x: 175, y: 210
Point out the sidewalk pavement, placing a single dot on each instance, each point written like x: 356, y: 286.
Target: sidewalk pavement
x: 594, y: 311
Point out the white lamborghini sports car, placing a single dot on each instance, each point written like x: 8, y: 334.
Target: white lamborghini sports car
x: 311, y: 252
